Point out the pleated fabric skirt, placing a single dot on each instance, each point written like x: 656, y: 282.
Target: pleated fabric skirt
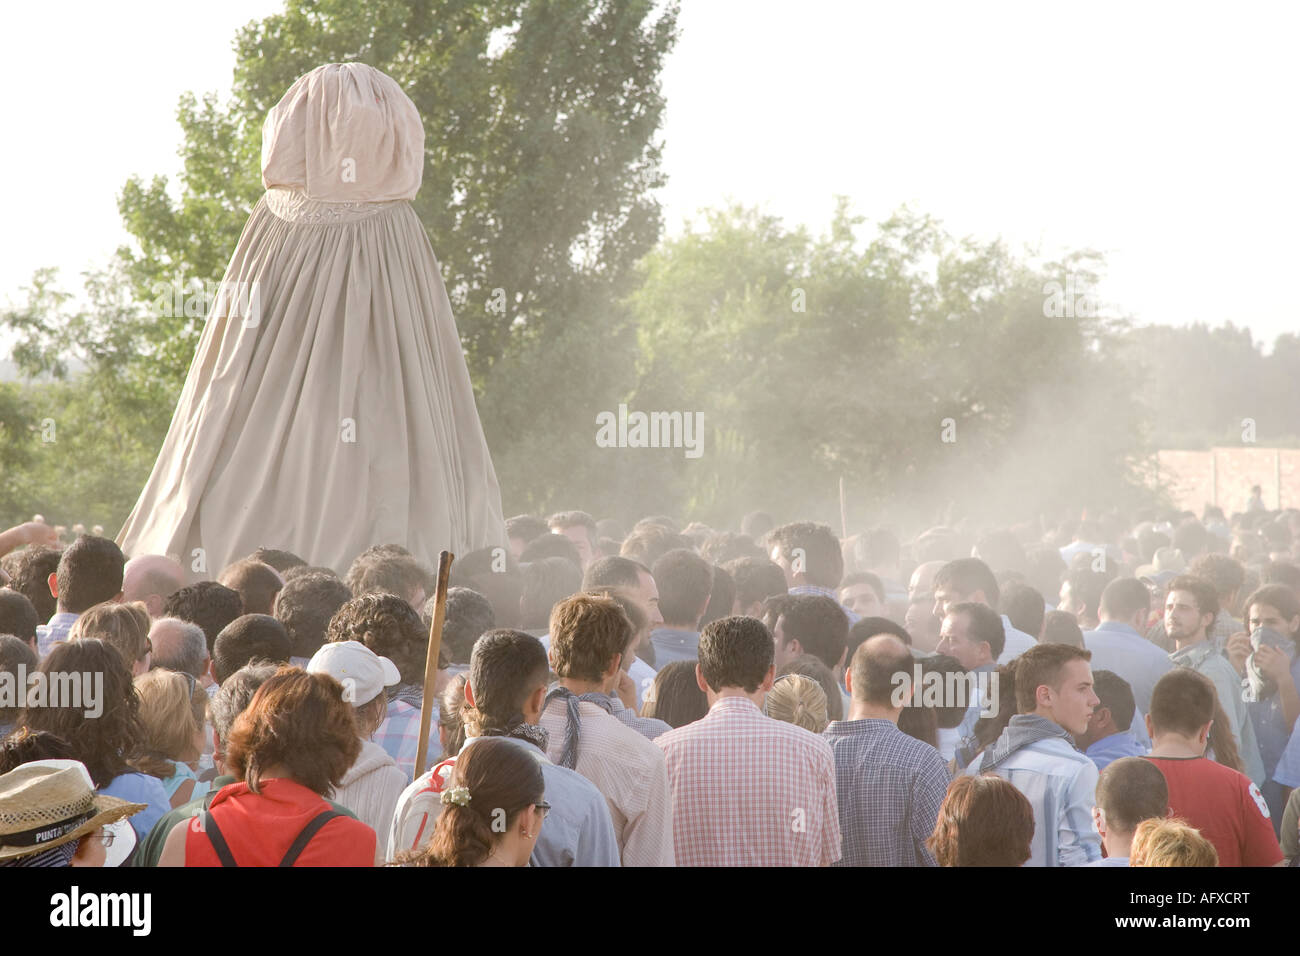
x: 328, y: 406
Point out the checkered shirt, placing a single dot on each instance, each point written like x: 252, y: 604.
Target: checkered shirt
x: 748, y: 790
x: 890, y: 787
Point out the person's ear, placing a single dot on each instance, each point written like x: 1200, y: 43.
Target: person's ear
x: 1099, y: 821
x: 469, y: 695
x: 530, y: 823
x: 615, y: 665
x: 978, y: 597
x: 769, y: 679
x: 1203, y: 738
x: 700, y: 682
x: 1151, y: 728
x: 533, y: 706
x: 795, y: 647
x: 848, y: 680
x: 53, y: 582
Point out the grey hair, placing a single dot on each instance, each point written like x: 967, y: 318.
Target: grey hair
x: 234, y: 696
x: 185, y: 649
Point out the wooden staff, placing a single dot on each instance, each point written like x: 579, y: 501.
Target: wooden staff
x: 844, y: 511
x: 431, y: 659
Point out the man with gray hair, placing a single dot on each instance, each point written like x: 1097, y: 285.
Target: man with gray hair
x: 152, y: 579
x: 180, y: 646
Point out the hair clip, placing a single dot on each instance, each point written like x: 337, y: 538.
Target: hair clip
x: 456, y: 795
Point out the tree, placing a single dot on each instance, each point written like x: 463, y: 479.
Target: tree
x: 820, y: 359
x: 81, y: 434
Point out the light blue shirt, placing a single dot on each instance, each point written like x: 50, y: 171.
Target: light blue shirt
x: 1110, y: 861
x: 140, y: 788
x: 1112, y: 748
x: 966, y: 729
x: 647, y: 727
x: 177, y: 779
x: 1118, y: 648
x: 674, y: 644
x: 1287, y: 772
x: 578, y: 830
x: 1271, y: 732
x: 1061, y: 786
x: 1017, y: 642
x: 55, y: 632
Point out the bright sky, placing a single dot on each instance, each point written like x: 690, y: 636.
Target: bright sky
x: 1161, y: 134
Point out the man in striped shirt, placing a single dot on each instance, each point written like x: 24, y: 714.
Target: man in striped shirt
x: 748, y: 790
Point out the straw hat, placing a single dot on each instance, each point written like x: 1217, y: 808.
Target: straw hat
x: 1166, y: 564
x: 47, y: 803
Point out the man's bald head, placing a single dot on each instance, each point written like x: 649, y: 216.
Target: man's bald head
x: 152, y: 579
x: 875, y: 663
x: 922, y: 582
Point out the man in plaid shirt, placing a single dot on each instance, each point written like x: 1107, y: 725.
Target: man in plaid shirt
x: 890, y: 785
x: 748, y: 790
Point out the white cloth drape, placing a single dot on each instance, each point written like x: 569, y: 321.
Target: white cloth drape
x: 328, y: 406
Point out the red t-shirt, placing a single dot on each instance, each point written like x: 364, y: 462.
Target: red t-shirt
x: 1225, y: 806
x: 260, y: 827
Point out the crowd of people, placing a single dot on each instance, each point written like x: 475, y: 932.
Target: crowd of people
x: 1115, y: 691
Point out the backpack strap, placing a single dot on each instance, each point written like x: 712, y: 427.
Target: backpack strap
x: 218, y: 841
x: 310, y: 830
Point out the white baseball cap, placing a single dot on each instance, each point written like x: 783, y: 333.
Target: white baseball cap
x: 362, y: 672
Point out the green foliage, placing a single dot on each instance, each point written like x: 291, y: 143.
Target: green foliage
x: 80, y: 436
x: 894, y: 337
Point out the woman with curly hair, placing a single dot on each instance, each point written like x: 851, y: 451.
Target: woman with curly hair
x: 90, y: 701
x: 492, y: 810
x: 292, y: 746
